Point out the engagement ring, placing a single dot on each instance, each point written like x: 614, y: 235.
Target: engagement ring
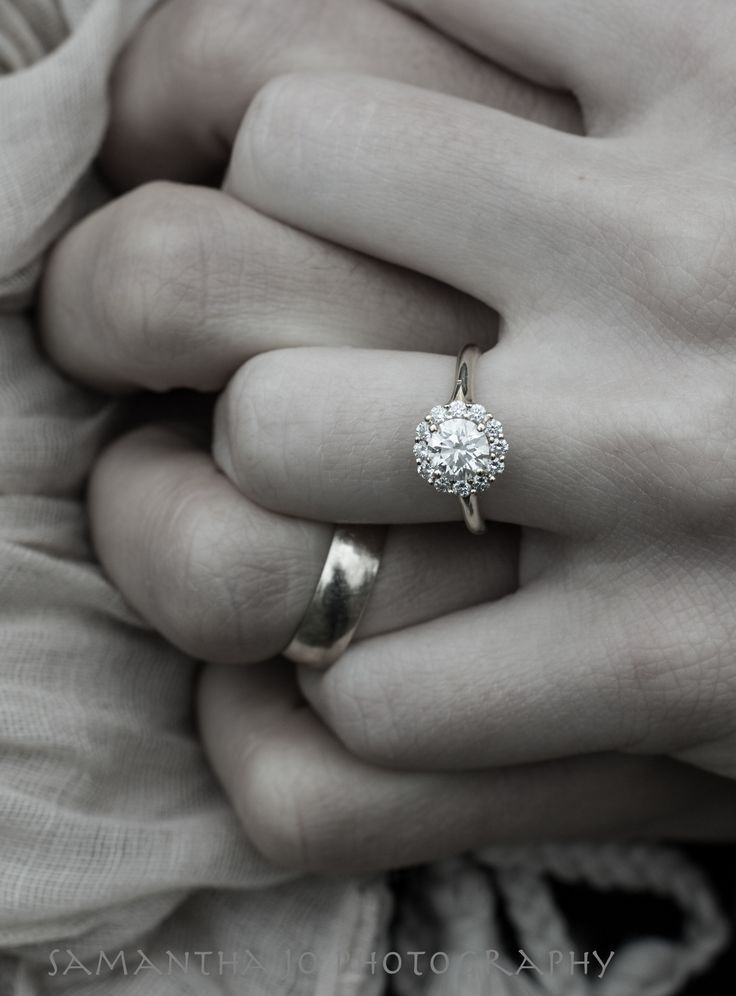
x: 460, y: 448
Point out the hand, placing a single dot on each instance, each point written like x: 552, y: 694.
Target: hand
x: 177, y: 286
x: 544, y: 689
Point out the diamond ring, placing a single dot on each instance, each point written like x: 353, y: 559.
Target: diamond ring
x: 460, y: 448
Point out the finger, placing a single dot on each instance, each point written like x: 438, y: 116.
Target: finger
x: 306, y: 802
x: 329, y: 435
x: 188, y: 76
x: 603, y: 52
x: 177, y: 286
x: 481, y: 200
x: 227, y: 581
x: 562, y: 667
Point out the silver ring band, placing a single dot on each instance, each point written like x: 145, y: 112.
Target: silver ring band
x: 340, y: 597
x: 463, y: 391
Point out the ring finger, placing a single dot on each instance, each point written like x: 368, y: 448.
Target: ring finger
x: 328, y: 434
x: 227, y: 581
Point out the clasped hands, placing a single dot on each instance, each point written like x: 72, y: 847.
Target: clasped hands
x: 395, y: 177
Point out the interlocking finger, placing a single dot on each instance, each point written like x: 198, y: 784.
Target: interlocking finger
x: 225, y: 580
x: 188, y: 76
x: 471, y: 196
x: 306, y: 802
x: 177, y: 286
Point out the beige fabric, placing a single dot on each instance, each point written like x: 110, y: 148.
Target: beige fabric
x: 109, y: 816
x: 113, y: 833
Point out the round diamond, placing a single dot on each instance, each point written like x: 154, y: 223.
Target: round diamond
x: 460, y: 446
x: 459, y: 452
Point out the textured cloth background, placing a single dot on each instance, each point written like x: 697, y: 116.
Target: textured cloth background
x: 113, y: 833
x: 110, y: 820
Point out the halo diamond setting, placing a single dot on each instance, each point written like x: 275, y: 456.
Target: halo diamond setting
x: 460, y: 448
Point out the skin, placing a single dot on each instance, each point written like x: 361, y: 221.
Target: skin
x: 571, y: 674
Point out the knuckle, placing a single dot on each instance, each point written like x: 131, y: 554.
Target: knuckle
x: 193, y: 622
x: 696, y: 46
x: 673, y: 675
x: 269, y: 811
x: 222, y: 592
x: 689, y: 451
x: 364, y: 713
x: 152, y: 279
x: 683, y: 40
x: 695, y: 273
x: 678, y: 253
x: 285, y: 807
x: 135, y: 274
x: 710, y: 294
x: 248, y: 427
x: 708, y: 449
x: 679, y: 258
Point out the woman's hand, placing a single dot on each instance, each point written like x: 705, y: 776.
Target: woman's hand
x: 608, y: 258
